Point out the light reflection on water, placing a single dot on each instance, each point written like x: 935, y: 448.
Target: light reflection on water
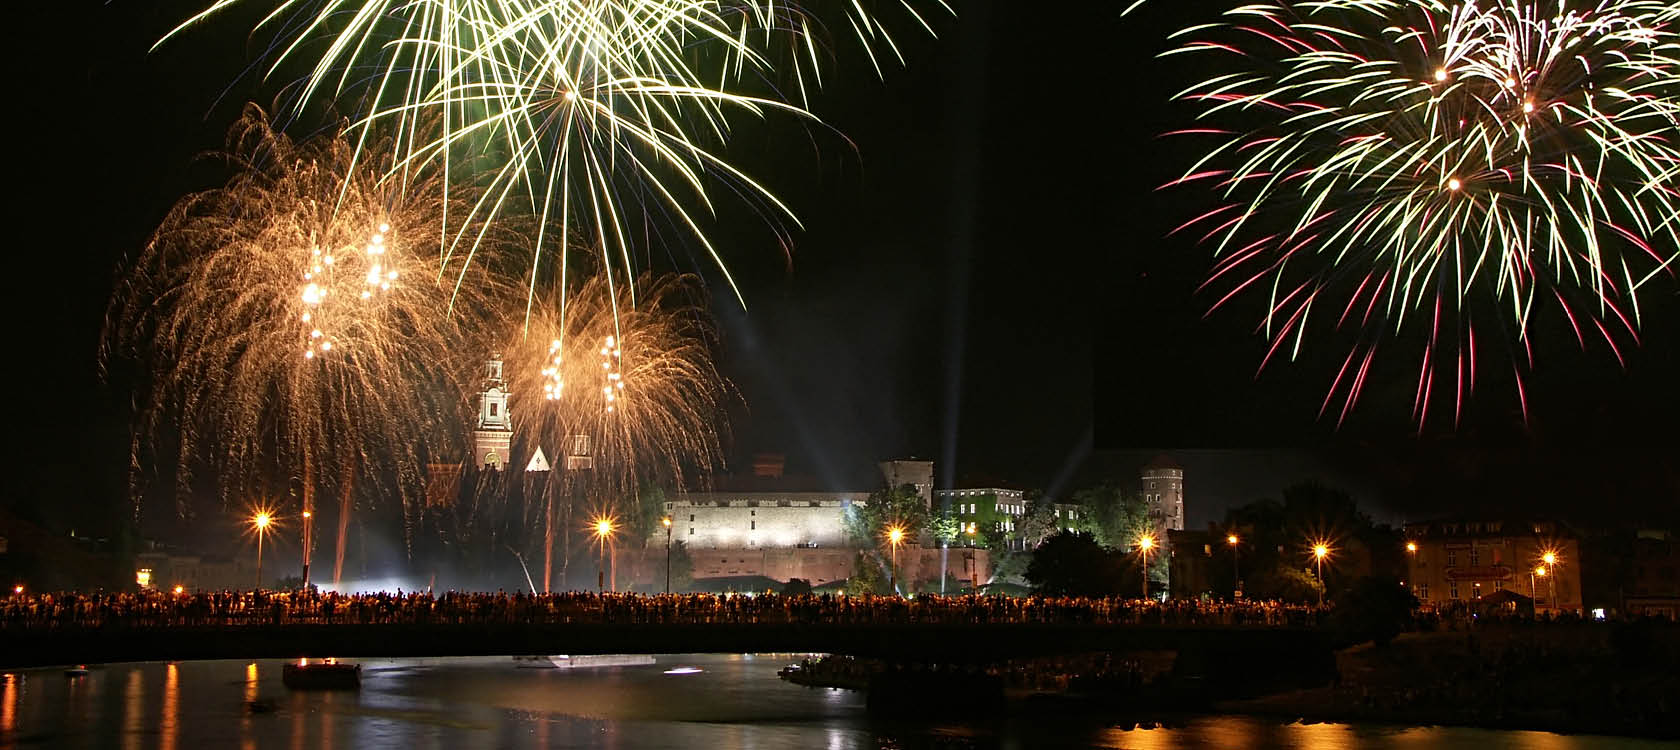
x: 733, y: 702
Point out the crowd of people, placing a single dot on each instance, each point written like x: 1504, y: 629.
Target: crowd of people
x: 236, y: 608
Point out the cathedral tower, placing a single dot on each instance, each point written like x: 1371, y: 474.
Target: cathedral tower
x: 493, y: 438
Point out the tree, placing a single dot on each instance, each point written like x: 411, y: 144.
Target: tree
x: 1374, y: 608
x: 899, y: 507
x: 866, y: 576
x: 1071, y: 563
x: 1287, y: 583
x: 1010, y: 567
x: 944, y: 527
x: 682, y: 567
x: 647, y: 509
x: 1039, y: 522
x: 1116, y: 519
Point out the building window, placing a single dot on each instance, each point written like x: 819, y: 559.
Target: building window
x: 754, y: 526
x: 1423, y: 591
x: 691, y: 531
x: 1475, y: 557
x: 1452, y: 560
x: 691, y: 518
x: 1452, y: 590
x: 493, y: 408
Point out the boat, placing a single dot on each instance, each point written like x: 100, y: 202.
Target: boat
x: 323, y: 674
x: 80, y: 670
x: 588, y: 661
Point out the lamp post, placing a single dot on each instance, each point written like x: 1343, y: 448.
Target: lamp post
x: 261, y: 521
x: 895, y: 535
x: 603, y: 532
x: 1146, y: 543
x: 1550, y: 558
x: 1320, y: 551
x: 1236, y: 571
x: 667, y: 522
x: 308, y: 524
x: 1411, y: 564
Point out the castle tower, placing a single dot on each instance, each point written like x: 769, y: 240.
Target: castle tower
x: 918, y: 474
x: 493, y: 438
x: 1163, y: 492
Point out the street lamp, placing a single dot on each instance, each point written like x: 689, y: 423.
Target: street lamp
x: 308, y: 524
x: 667, y: 521
x: 603, y: 533
x: 1236, y: 572
x: 1146, y: 543
x: 261, y: 521
x: 1550, y: 558
x: 895, y: 534
x: 1320, y: 551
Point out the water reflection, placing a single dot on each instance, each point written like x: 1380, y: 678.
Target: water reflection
x: 733, y: 703
x: 8, y: 703
x: 171, y: 724
x: 134, y: 717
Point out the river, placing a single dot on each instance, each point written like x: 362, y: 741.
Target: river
x: 683, y: 701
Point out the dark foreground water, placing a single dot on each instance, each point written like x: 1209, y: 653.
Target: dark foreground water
x: 730, y: 702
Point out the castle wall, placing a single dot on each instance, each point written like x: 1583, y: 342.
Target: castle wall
x: 645, y: 568
x: 706, y: 520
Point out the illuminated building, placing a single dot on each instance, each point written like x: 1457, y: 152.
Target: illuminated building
x: 1459, y: 561
x: 1163, y: 490
x: 493, y: 436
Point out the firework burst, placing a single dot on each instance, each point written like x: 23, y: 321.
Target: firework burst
x: 1440, y: 169
x: 637, y: 382
x: 291, y: 324
x: 599, y: 116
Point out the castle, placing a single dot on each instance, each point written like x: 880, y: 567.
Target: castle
x: 782, y: 527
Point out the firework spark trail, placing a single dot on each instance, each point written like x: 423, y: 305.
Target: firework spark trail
x: 1444, y: 166
x: 291, y: 324
x: 639, y: 381
x: 596, y: 115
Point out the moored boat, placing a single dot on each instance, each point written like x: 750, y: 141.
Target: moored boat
x: 323, y: 674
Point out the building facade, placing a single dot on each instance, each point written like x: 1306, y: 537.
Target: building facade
x: 1454, y: 563
x: 1653, y: 586
x: 988, y: 510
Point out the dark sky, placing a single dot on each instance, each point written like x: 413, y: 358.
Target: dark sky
x: 983, y: 278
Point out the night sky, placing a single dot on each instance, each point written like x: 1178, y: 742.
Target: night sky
x: 983, y: 278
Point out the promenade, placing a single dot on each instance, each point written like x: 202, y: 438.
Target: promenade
x: 85, y: 628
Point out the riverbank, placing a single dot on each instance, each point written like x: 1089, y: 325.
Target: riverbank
x: 1588, y: 680
x: 1606, y: 680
